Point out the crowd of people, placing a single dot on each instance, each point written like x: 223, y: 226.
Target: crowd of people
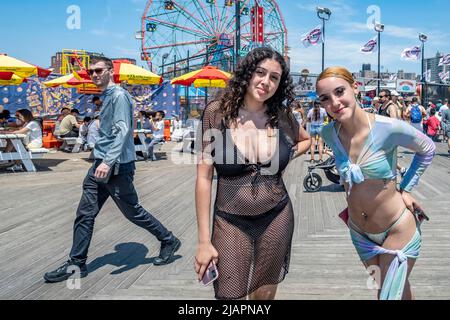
x: 433, y: 119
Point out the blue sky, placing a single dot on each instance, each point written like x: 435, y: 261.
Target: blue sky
x: 35, y: 29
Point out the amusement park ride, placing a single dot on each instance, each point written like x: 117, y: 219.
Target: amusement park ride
x: 183, y: 33
x: 76, y: 62
x: 73, y: 60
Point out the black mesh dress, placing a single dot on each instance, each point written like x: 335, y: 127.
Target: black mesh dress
x: 253, y: 216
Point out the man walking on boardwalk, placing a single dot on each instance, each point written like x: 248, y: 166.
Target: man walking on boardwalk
x: 111, y: 176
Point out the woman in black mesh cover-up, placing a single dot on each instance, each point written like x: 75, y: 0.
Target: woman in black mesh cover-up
x: 249, y: 137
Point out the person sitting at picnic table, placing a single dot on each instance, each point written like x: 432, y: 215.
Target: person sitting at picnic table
x: 157, y: 126
x: 32, y: 130
x: 93, y: 131
x: 145, y: 120
x: 4, y: 117
x: 69, y: 126
x: 97, y: 102
x: 84, y: 128
x: 177, y: 131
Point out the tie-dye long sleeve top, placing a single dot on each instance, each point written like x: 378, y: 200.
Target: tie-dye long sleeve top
x: 378, y: 157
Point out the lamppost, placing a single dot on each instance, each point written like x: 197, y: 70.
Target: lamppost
x: 164, y: 57
x: 379, y: 28
x: 423, y: 38
x: 238, y: 32
x: 324, y: 14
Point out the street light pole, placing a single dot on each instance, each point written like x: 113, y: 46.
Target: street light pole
x: 324, y: 14
x: 238, y: 31
x: 188, y: 108
x: 423, y: 38
x: 164, y: 57
x: 379, y: 28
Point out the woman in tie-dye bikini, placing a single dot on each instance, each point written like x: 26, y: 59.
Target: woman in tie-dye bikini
x: 383, y: 228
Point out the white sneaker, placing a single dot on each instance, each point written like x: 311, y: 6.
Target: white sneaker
x: 15, y: 168
x: 402, y: 171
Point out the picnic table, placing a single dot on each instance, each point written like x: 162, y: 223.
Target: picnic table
x: 143, y: 147
x: 20, y: 153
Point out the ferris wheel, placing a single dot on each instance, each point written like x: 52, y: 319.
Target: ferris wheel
x: 203, y: 31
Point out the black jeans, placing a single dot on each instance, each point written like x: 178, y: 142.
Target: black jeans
x: 72, y: 134
x: 120, y: 187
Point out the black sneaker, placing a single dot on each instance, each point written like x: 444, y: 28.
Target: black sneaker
x: 61, y: 273
x: 168, y: 249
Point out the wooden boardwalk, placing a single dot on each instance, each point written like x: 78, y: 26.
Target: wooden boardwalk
x: 37, y: 213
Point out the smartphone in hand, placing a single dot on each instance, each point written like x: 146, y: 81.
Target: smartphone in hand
x: 421, y: 216
x: 211, y: 274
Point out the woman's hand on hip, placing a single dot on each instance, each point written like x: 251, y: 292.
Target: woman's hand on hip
x: 410, y: 202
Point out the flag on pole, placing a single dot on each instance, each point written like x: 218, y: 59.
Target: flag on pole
x: 413, y: 53
x: 445, y: 60
x: 427, y: 75
x: 313, y: 37
x: 370, y: 46
x: 393, y: 77
x: 444, y: 76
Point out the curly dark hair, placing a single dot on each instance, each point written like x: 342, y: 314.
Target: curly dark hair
x: 233, y: 97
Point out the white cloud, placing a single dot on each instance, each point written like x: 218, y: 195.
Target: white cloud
x: 306, y: 7
x: 127, y: 51
x: 106, y: 33
x: 339, y: 9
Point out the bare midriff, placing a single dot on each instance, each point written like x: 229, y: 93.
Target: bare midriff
x: 374, y: 205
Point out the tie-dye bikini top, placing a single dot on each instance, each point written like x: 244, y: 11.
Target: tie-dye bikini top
x: 378, y: 157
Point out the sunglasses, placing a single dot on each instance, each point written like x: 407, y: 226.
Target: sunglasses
x: 382, y: 96
x: 98, y: 71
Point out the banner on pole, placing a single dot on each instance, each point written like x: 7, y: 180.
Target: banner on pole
x: 413, y: 53
x: 444, y: 76
x: 445, y: 60
x: 370, y: 46
x: 313, y: 37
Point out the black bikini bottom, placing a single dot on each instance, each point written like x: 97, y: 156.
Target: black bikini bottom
x: 254, y: 226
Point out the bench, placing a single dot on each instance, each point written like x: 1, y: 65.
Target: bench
x: 143, y: 147
x: 72, y: 144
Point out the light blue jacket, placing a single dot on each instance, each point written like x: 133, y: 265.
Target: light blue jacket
x: 115, y: 144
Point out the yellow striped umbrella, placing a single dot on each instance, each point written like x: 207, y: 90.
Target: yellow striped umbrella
x: 205, y: 77
x: 18, y: 67
x: 70, y: 81
x: 132, y: 74
x: 14, y: 81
